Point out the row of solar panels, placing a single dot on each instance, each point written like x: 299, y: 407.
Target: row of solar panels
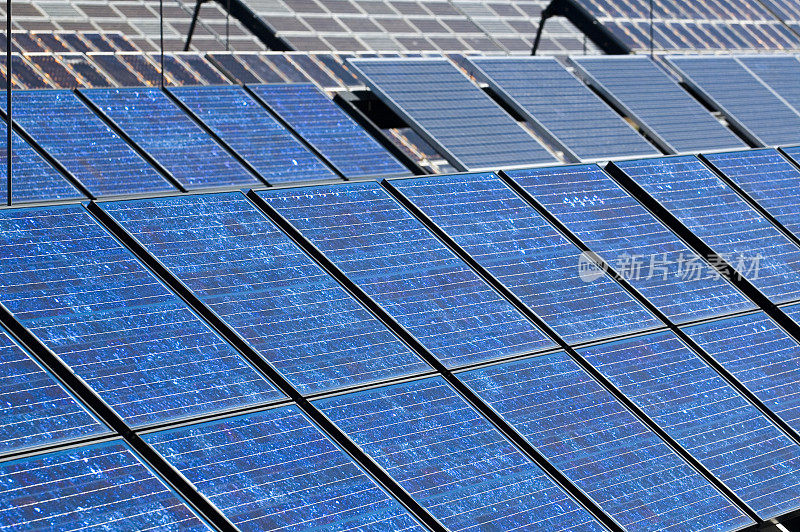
x: 420, y: 351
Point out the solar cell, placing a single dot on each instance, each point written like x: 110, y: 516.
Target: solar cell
x: 451, y: 113
x: 52, y: 68
x: 117, y: 69
x: 202, y: 67
x: 234, y: 68
x: 779, y: 72
x: 260, y: 68
x: 451, y: 460
x: 601, y: 447
x: 86, y: 70
x: 418, y: 281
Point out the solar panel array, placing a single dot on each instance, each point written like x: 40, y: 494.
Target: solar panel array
x: 779, y: 72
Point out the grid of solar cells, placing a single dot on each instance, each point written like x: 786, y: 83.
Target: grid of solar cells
x: 257, y: 280
x: 548, y: 95
x: 780, y: 72
x: 715, y: 213
x: 511, y: 240
x: 335, y: 135
x: 454, y: 115
x: 115, y: 325
x: 661, y: 107
x: 255, y: 135
x: 631, y: 240
x: 601, y: 447
x: 707, y: 417
x: 81, y: 142
x: 99, y: 487
x: 274, y: 470
x: 742, y: 97
x: 451, y: 460
x: 398, y: 263
x: 156, y: 124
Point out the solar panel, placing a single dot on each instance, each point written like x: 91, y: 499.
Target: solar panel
x: 516, y: 245
x: 715, y: 213
x: 116, y: 68
x: 100, y: 487
x: 116, y: 326
x: 779, y: 72
x: 335, y: 135
x: 562, y: 108
x: 742, y: 98
x: 282, y: 473
x: 707, y: 417
x: 255, y: 135
x: 601, y: 447
x: 453, y: 461
x: 81, y: 142
x: 632, y: 241
x: 152, y: 121
x: 418, y: 281
x: 53, y: 69
x: 647, y: 94
x: 451, y: 113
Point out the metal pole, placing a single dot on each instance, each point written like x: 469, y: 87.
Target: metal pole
x: 161, y: 20
x: 9, y: 61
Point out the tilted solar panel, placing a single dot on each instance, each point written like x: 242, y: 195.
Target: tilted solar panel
x: 396, y: 261
x: 601, y: 447
x: 562, y: 108
x: 257, y: 280
x: 780, y: 72
x: 115, y: 325
x: 451, y: 113
x: 156, y: 124
x: 274, y: 470
x: 453, y: 461
x: 517, y: 245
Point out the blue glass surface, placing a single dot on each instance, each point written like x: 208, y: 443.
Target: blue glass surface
x: 707, y: 417
x: 335, y: 135
x: 275, y: 471
x: 255, y: 135
x: 780, y: 72
x: 511, y: 240
x: 156, y: 124
x: 395, y: 260
x: 101, y: 487
x: 630, y: 239
x: 114, y: 324
x: 601, y: 447
x: 257, y: 280
x: 453, y: 461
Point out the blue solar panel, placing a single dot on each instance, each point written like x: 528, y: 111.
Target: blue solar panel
x: 255, y: 135
x: 81, y: 142
x: 742, y: 98
x: 704, y: 414
x: 715, y: 213
x: 152, y: 121
x: 102, y: 487
x: 599, y: 445
x: 257, y: 280
x: 335, y: 135
x: 453, y: 461
x: 546, y: 94
x: 511, y: 240
x: 115, y: 325
x: 631, y: 240
x: 281, y: 473
x: 780, y: 72
x: 395, y: 260
x: 454, y: 115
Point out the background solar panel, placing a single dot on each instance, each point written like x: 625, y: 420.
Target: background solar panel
x: 525, y: 253
x: 255, y: 135
x: 546, y: 94
x: 742, y: 98
x: 255, y: 278
x: 116, y: 326
x: 631, y: 240
x: 780, y: 72
x: 451, y: 113
x: 453, y: 461
x: 170, y: 137
x: 715, y: 213
x: 582, y: 430
x: 98, y: 487
x: 694, y: 405
x: 281, y: 473
x: 335, y: 135
x: 405, y: 269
